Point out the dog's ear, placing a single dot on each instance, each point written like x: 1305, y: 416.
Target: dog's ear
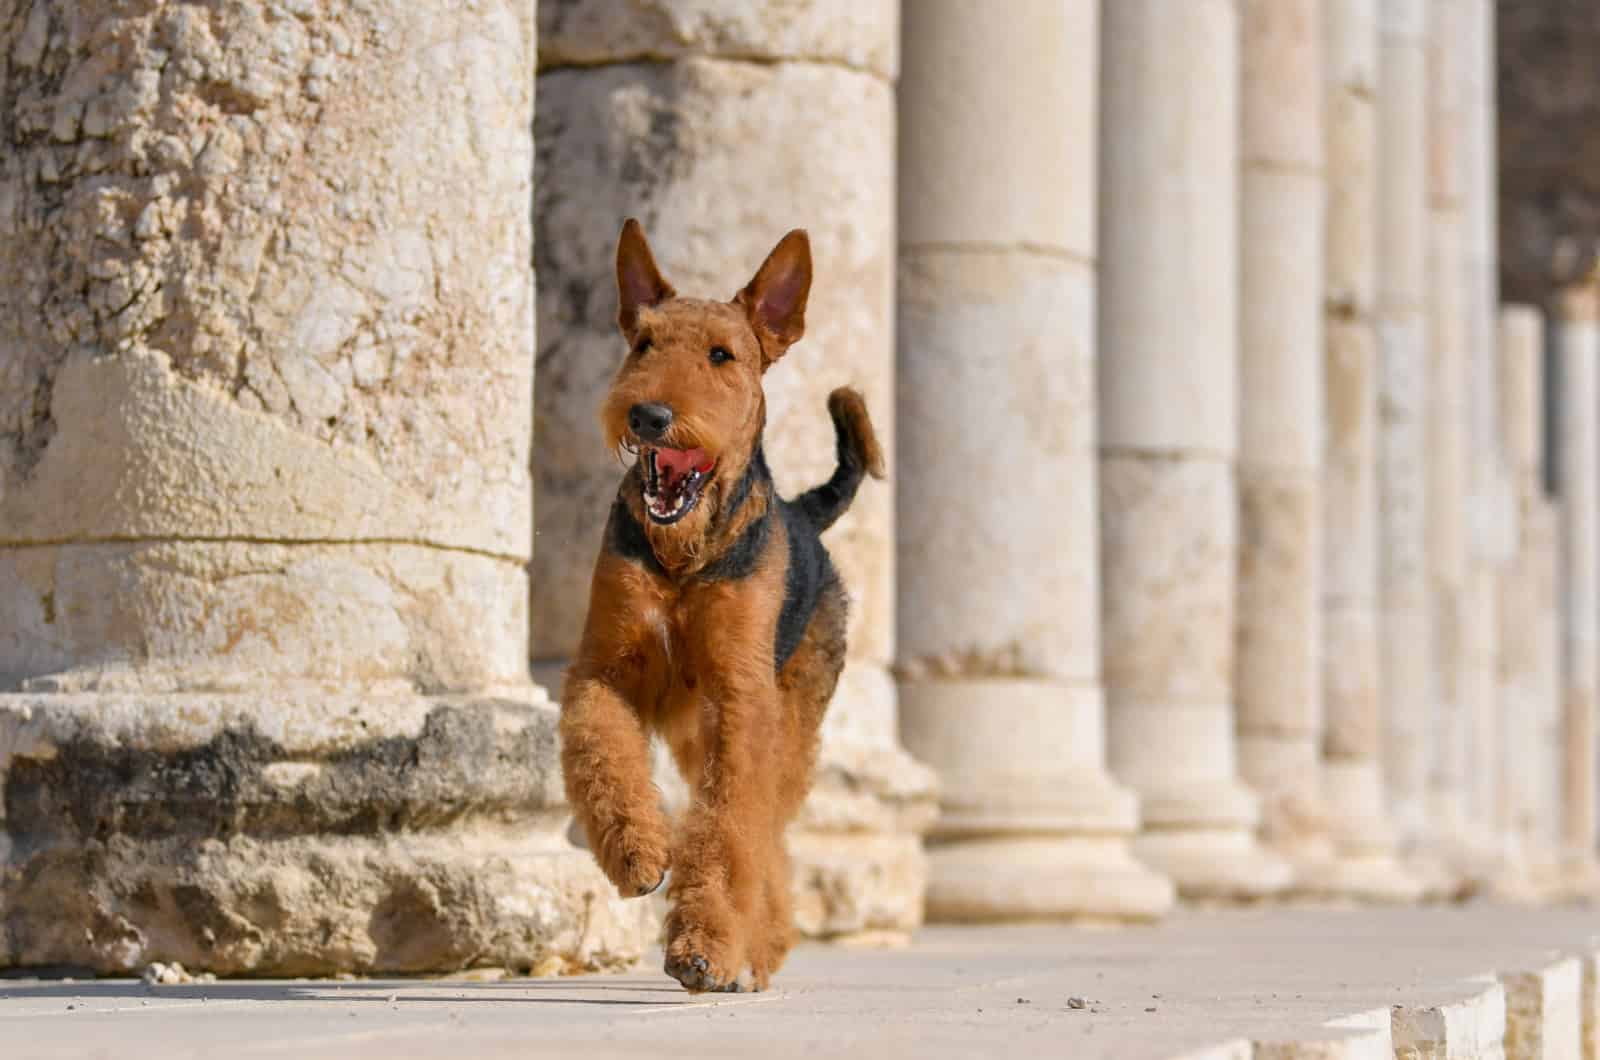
x: 776, y: 299
x: 639, y: 282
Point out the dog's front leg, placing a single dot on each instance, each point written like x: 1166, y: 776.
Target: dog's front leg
x: 719, y: 864
x: 605, y: 756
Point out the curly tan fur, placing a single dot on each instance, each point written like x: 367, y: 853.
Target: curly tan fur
x: 687, y: 622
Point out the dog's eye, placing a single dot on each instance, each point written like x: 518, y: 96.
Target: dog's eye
x: 643, y: 347
x: 720, y: 355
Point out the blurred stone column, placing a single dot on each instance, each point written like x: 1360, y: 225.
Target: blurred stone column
x: 1492, y: 505
x: 1528, y: 642
x: 1168, y: 380
x: 721, y: 126
x: 1279, y: 664
x: 1363, y: 840
x: 1000, y: 663
x: 1405, y: 619
x: 265, y: 405
x: 1446, y: 437
x: 1578, y: 347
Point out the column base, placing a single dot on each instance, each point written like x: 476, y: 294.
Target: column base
x: 300, y: 833
x: 856, y: 849
x: 1365, y: 866
x: 1580, y: 879
x: 1043, y: 877
x: 1215, y: 864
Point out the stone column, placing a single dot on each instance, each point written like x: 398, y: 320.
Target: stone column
x: 1491, y: 500
x: 1446, y: 437
x: 721, y: 126
x: 265, y: 405
x: 1364, y: 841
x: 1405, y: 619
x: 1000, y: 666
x: 1528, y: 643
x: 1168, y: 384
x: 1578, y: 345
x: 1279, y: 661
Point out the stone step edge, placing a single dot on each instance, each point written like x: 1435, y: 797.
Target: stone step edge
x: 1544, y: 1009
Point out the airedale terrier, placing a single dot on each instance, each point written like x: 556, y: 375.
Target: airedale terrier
x: 716, y: 619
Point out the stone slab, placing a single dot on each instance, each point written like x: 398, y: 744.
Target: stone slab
x: 1201, y: 986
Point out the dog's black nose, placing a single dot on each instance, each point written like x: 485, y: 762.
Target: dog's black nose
x: 649, y: 421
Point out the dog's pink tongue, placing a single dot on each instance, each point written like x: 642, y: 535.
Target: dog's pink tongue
x: 676, y: 463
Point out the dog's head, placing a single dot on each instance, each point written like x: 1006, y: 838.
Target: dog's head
x: 688, y: 396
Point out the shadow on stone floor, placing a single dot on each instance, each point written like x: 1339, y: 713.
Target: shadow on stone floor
x: 438, y: 991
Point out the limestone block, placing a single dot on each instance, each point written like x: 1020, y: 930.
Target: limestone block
x: 1076, y: 877
x: 858, y: 866
x: 991, y: 782
x: 1543, y: 1017
x: 168, y: 615
x: 1032, y: 190
x: 1402, y: 465
x: 1364, y: 1036
x: 1171, y: 377
x: 956, y: 309
x: 1280, y: 668
x: 296, y: 833
x: 1446, y: 101
x: 1350, y: 71
x: 1281, y: 318
x: 1521, y: 346
x: 1410, y: 713
x: 1350, y: 680
x: 1281, y: 47
x: 849, y: 33
x: 1402, y: 162
x: 1349, y: 481
x: 254, y: 206
x: 1472, y: 1028
x: 1589, y: 1004
x: 669, y: 144
x: 1169, y: 537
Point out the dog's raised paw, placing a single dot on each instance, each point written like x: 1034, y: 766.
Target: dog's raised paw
x: 695, y: 973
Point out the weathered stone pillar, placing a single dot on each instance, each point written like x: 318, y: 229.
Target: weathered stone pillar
x: 1446, y: 437
x: 997, y: 285
x: 1578, y: 344
x: 721, y: 126
x: 1491, y: 499
x: 1405, y: 620
x: 1363, y: 840
x: 265, y: 407
x: 1169, y: 437
x: 1528, y: 640
x: 1279, y: 663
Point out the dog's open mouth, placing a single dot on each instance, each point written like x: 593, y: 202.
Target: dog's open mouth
x: 672, y: 482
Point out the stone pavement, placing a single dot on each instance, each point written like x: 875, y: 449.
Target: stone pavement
x: 1219, y: 984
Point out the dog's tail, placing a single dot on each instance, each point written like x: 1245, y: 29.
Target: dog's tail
x: 859, y: 455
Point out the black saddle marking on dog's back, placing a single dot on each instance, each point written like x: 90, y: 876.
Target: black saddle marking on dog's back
x: 626, y: 537
x: 810, y: 571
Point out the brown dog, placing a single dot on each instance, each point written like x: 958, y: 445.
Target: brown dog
x: 715, y: 617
